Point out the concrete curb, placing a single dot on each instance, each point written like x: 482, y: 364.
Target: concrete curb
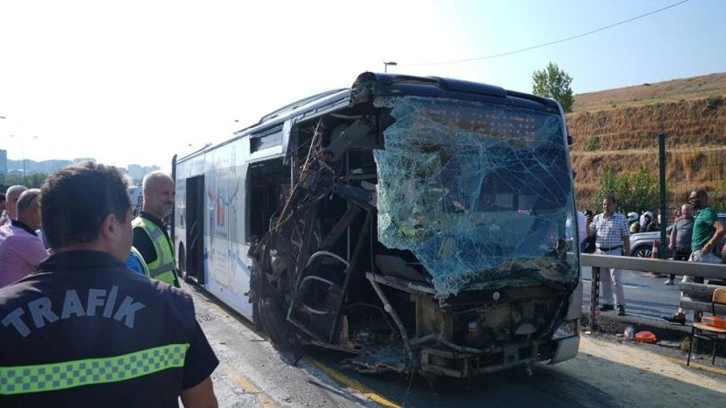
x: 611, y: 323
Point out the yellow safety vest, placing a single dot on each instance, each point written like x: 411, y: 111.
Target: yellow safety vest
x: 162, y: 268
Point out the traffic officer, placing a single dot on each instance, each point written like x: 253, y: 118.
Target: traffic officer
x: 83, y: 330
x: 150, y: 236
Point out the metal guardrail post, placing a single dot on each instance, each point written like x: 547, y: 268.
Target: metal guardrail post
x: 594, y: 298
x: 663, y: 205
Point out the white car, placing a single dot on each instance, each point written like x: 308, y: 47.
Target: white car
x: 641, y: 243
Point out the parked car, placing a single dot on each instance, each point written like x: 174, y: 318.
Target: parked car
x: 641, y: 243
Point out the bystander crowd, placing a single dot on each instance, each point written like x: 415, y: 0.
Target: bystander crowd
x: 84, y: 330
x: 707, y: 231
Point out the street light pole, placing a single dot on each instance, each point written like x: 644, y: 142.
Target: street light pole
x: 387, y: 63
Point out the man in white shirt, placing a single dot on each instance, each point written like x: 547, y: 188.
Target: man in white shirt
x: 612, y: 238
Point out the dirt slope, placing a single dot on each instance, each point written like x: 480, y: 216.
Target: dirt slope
x: 620, y: 128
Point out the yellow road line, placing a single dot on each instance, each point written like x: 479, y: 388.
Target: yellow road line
x: 265, y: 401
x: 241, y: 380
x: 248, y: 386
x: 357, y: 386
x: 709, y: 368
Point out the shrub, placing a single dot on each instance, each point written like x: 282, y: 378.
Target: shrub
x: 635, y: 191
x: 713, y: 102
x: 685, y: 344
x: 593, y: 143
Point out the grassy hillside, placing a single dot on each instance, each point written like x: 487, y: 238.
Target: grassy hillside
x: 620, y: 128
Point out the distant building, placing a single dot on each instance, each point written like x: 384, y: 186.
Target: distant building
x: 32, y: 166
x: 137, y: 172
x: 15, y: 167
x: 50, y: 166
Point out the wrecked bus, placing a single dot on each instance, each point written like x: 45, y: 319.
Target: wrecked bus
x: 421, y: 224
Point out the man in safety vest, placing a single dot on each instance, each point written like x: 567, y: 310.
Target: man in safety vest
x: 150, y: 236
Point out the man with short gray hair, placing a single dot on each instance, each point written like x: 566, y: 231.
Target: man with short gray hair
x: 21, y: 249
x: 150, y: 236
x: 11, y: 196
x: 680, y: 238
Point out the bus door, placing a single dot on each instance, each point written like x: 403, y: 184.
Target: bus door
x: 195, y: 228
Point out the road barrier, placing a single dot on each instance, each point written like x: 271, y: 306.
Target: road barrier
x: 697, y: 269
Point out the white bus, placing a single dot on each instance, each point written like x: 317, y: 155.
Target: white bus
x: 420, y: 224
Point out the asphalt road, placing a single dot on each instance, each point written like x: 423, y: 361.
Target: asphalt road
x: 645, y: 296
x: 604, y: 374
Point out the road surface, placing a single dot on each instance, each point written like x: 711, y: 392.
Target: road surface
x: 645, y: 296
x: 604, y: 374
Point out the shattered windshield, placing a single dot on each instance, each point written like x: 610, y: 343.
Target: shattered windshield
x: 479, y: 192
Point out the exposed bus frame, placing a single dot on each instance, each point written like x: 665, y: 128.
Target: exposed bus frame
x: 278, y: 310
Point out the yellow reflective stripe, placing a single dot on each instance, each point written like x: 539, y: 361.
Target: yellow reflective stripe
x: 70, y: 374
x: 166, y: 277
x: 155, y: 233
x: 163, y: 268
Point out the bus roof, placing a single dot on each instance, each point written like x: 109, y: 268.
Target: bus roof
x: 389, y: 85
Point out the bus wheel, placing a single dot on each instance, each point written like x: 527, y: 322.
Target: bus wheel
x: 272, y: 320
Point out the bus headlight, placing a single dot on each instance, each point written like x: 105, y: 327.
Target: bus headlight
x: 566, y: 329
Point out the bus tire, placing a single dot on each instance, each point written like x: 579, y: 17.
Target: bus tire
x: 272, y: 321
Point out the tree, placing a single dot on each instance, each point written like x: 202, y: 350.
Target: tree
x: 34, y: 180
x: 637, y: 191
x: 553, y: 83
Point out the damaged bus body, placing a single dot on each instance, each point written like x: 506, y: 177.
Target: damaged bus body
x: 421, y: 224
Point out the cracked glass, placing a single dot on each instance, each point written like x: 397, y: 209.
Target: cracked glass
x: 481, y: 193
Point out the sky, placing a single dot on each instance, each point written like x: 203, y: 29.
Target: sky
x: 137, y: 81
